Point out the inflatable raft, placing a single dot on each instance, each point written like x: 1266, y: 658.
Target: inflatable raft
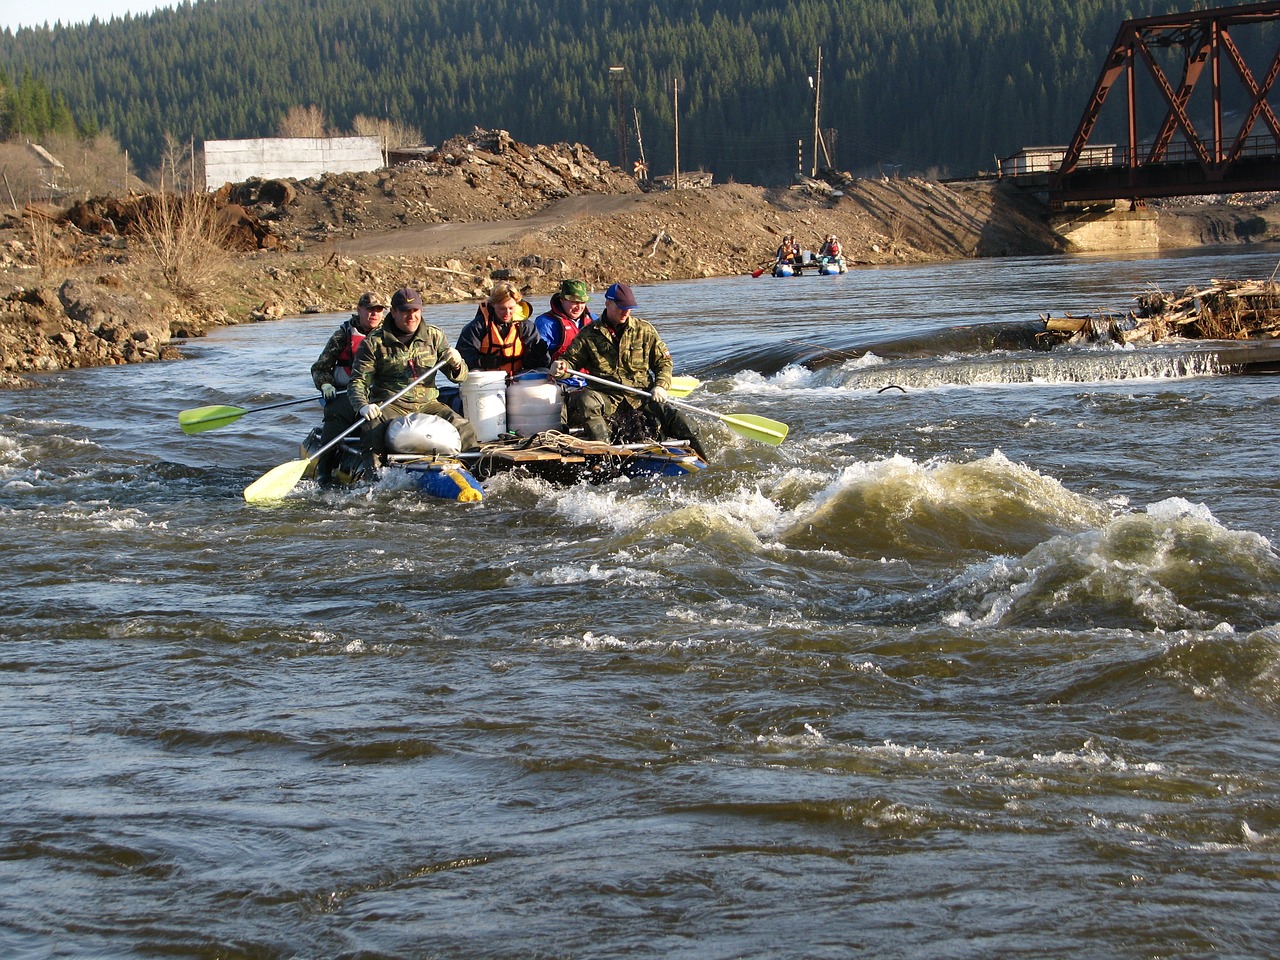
x: 518, y: 424
x: 552, y: 456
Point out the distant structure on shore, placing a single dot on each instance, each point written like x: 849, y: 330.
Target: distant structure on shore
x: 235, y: 161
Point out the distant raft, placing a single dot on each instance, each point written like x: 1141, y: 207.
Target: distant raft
x: 822, y: 266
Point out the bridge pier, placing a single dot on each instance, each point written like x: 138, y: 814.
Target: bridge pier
x: 1097, y: 231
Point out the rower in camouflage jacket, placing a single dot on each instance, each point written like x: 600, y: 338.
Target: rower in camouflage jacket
x: 391, y: 358
x: 629, y: 351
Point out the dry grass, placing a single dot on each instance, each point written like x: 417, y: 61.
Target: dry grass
x: 47, y: 251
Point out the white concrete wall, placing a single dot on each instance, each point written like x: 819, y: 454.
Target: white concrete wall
x: 234, y: 161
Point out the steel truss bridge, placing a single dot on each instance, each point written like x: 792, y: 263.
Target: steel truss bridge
x: 1180, y: 159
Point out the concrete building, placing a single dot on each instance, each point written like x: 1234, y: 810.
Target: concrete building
x: 234, y: 161
x: 1031, y: 160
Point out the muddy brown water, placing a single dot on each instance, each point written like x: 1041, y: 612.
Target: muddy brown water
x: 985, y: 665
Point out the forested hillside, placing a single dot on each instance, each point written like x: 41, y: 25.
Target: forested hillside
x: 917, y: 86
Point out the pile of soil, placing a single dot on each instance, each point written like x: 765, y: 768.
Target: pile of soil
x: 453, y: 221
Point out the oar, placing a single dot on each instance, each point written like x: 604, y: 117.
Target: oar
x: 681, y: 387
x: 744, y: 424
x: 278, y: 481
x: 763, y: 267
x: 200, y: 419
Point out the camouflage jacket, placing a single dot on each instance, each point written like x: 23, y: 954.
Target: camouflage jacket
x: 384, y: 366
x: 637, y: 358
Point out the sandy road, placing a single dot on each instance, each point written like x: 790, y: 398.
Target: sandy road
x: 433, y: 239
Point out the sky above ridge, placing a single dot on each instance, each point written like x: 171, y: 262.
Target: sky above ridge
x: 26, y: 13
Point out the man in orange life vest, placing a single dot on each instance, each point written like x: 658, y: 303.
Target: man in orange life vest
x: 566, y: 318
x: 501, y: 336
x: 332, y: 372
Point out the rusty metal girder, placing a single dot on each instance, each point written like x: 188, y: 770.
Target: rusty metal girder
x: 1204, y: 36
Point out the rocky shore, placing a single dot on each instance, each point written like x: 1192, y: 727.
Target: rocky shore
x: 88, y: 284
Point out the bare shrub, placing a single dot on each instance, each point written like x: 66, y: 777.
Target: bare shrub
x: 393, y: 133
x: 98, y: 167
x: 1227, y: 322
x: 185, y: 237
x: 305, y: 121
x: 896, y: 228
x: 182, y: 162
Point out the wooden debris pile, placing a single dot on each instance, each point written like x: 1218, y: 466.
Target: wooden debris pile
x: 1225, y: 310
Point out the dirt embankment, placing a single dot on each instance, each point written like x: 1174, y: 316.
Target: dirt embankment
x: 83, y: 286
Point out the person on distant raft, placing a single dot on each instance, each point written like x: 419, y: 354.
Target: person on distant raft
x: 629, y: 351
x: 564, y: 321
x: 831, y: 250
x: 392, y: 357
x: 332, y: 372
x: 788, y: 251
x: 501, y: 336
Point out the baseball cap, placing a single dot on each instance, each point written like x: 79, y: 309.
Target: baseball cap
x: 574, y: 290
x: 406, y: 298
x: 620, y: 293
x: 371, y: 299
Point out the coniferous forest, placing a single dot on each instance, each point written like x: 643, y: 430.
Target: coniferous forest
x: 907, y: 86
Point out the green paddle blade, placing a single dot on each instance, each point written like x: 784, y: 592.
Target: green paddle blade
x: 200, y: 419
x: 755, y: 428
x: 683, y: 386
x: 276, y: 483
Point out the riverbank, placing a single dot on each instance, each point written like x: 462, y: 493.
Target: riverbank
x: 85, y: 285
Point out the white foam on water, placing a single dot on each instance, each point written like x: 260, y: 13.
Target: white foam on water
x: 566, y: 573
x: 784, y: 381
x: 590, y: 642
x: 1090, y: 757
x: 1135, y: 564
x: 585, y: 504
x: 980, y: 489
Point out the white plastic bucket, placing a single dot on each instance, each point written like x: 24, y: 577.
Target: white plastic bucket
x: 484, y: 402
x: 534, y: 402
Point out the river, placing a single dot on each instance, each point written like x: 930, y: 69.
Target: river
x: 981, y: 662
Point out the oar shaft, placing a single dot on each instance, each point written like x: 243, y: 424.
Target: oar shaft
x: 644, y: 393
x: 617, y: 386
x: 760, y: 429
x: 289, y: 403
x: 360, y: 422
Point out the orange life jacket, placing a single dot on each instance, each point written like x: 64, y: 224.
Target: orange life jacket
x: 506, y: 346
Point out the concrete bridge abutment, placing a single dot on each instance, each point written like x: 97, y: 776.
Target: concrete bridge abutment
x: 1095, y: 231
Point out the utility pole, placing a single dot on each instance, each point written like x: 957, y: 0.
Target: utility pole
x: 616, y: 77
x: 642, y: 166
x: 675, y: 93
x: 817, y: 97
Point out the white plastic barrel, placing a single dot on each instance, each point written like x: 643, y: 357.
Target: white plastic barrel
x: 534, y: 402
x: 484, y: 402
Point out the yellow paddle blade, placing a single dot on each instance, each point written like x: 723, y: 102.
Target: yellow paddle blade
x: 276, y: 483
x: 200, y: 419
x: 683, y: 386
x: 755, y: 427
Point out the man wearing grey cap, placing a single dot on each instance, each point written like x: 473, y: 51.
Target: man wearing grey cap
x: 332, y: 372
x: 627, y: 350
